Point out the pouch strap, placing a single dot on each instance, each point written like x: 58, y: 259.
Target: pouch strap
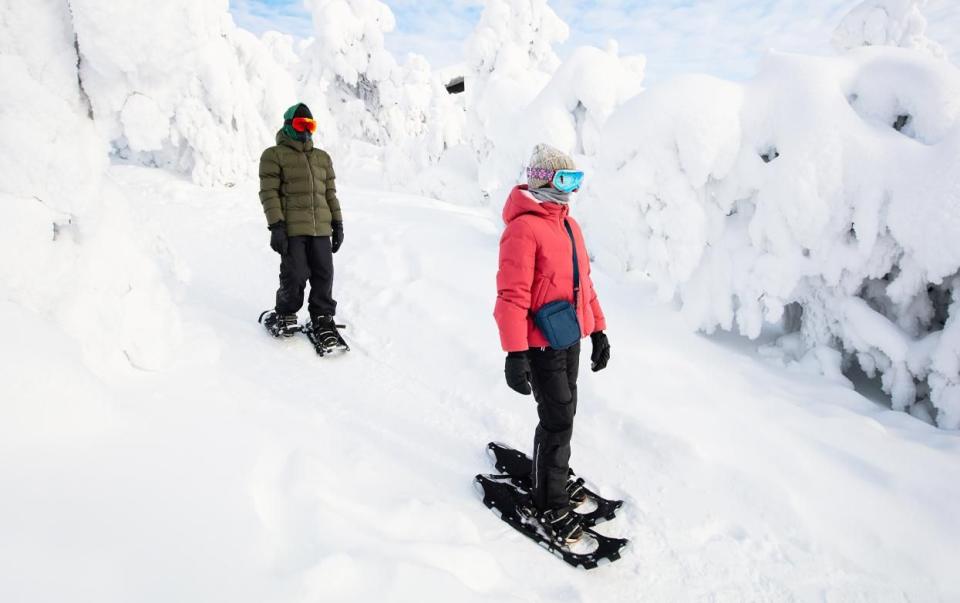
x: 576, y: 265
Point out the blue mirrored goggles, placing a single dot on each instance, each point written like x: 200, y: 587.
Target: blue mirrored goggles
x: 567, y: 181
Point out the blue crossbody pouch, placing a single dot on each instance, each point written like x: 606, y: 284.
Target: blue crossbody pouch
x: 558, y: 320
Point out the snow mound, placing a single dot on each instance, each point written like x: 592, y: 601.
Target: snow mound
x: 821, y: 195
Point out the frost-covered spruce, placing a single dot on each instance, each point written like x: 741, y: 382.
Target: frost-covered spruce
x: 519, y: 93
x: 886, y: 23
x: 824, y: 186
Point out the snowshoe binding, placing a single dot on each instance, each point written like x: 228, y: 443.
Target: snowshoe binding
x: 324, y: 334
x: 561, y: 525
x: 577, y: 491
x: 279, y: 325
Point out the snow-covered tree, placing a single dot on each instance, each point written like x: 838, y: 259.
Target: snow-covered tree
x: 570, y: 111
x: 402, y: 108
x: 510, y: 58
x: 420, y: 118
x: 515, y: 37
x: 886, y: 23
x: 801, y: 199
x: 188, y: 90
x: 348, y: 62
x: 75, y: 256
x: 519, y: 93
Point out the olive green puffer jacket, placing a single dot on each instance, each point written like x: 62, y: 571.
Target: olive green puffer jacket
x: 297, y: 184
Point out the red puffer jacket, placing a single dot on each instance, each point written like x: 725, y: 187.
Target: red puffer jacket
x: 536, y: 267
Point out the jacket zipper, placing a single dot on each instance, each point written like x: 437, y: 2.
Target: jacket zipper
x: 313, y: 192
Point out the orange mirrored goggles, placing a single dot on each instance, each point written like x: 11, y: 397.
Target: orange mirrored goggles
x: 304, y: 124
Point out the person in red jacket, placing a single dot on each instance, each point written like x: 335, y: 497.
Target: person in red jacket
x: 536, y: 268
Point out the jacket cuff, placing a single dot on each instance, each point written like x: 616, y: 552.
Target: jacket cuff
x: 515, y: 346
x: 274, y: 215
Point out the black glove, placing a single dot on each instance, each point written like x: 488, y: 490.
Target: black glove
x: 601, y: 351
x: 517, y: 371
x: 278, y: 237
x: 337, y: 239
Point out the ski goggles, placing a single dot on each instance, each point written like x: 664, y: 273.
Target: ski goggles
x: 565, y: 181
x: 304, y: 124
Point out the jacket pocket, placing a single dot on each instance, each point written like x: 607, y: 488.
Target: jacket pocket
x: 541, y: 288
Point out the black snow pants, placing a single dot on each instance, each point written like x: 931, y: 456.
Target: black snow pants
x: 307, y: 258
x: 554, y: 380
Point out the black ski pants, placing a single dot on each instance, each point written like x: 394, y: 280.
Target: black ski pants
x: 554, y: 380
x: 307, y: 258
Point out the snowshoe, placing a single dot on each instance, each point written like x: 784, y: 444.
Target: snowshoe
x: 324, y: 334
x: 590, y: 506
x: 279, y: 325
x: 562, y: 533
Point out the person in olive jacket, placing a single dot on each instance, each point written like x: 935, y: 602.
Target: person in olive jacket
x: 299, y: 197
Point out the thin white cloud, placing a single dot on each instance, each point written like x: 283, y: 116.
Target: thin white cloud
x: 259, y: 16
x: 727, y: 38
x: 435, y: 29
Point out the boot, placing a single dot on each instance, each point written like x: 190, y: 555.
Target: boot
x: 279, y: 325
x: 325, y: 333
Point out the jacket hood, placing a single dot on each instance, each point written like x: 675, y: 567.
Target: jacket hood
x: 521, y: 202
x: 298, y: 110
x: 286, y: 140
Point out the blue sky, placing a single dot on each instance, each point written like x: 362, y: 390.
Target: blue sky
x: 720, y: 37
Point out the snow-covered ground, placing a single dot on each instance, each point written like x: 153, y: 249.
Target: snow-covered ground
x: 251, y: 470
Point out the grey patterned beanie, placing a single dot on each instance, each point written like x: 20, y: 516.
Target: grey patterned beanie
x: 546, y: 160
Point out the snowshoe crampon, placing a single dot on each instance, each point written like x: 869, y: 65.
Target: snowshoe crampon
x: 279, y: 325
x: 515, y: 508
x: 325, y: 336
x: 517, y: 466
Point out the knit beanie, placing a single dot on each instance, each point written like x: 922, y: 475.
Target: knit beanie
x: 547, y: 158
x: 302, y: 111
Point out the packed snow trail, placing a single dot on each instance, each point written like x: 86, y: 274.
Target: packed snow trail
x: 255, y: 471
